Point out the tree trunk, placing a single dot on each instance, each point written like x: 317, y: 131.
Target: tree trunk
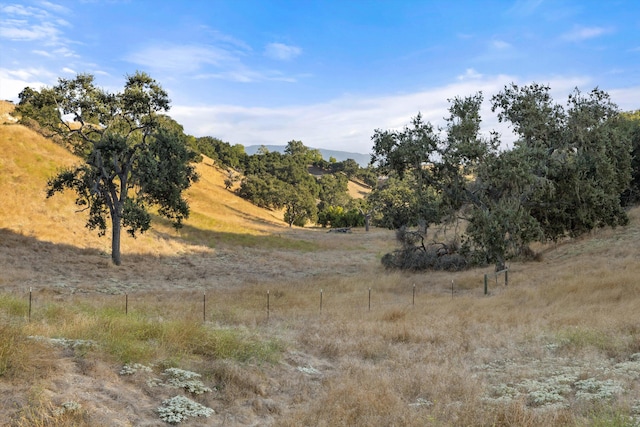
x: 115, y: 239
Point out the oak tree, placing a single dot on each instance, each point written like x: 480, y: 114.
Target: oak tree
x: 134, y: 157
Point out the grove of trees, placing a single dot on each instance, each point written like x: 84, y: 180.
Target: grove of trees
x: 275, y: 180
x: 566, y: 174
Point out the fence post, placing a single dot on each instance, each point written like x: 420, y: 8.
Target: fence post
x: 268, y: 308
x: 204, y: 306
x: 451, y: 288
x: 413, y: 299
x: 485, y: 284
x: 320, y: 300
x: 30, y: 299
x: 506, y: 277
x: 369, y: 299
x: 126, y: 304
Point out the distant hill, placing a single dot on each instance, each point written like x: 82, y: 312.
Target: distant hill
x: 361, y: 159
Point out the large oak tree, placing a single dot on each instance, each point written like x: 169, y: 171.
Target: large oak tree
x: 134, y: 156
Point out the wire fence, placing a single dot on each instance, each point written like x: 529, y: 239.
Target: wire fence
x: 205, y: 305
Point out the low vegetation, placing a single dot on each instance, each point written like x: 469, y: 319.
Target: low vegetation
x: 558, y: 346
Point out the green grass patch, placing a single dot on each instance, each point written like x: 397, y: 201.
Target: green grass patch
x: 10, y: 347
x: 14, y: 306
x: 139, y: 337
x: 236, y: 345
x: 604, y: 416
x: 574, y: 339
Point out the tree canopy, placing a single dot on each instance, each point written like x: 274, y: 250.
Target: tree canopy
x: 134, y: 156
x: 564, y: 175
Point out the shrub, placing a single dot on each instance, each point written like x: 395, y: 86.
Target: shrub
x: 180, y: 408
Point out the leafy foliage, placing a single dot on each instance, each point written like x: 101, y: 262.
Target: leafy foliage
x: 630, y: 126
x: 227, y: 155
x: 564, y: 176
x: 282, y: 181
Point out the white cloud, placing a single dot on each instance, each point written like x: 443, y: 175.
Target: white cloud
x: 55, y: 7
x: 65, y: 52
x: 203, y: 62
x: 281, y: 51
x: 21, y: 30
x: 184, y: 59
x: 26, y: 24
x: 12, y: 82
x: 626, y: 98
x: 500, y: 44
x: 470, y: 73
x: 44, y: 53
x: 347, y: 123
x: 579, y: 33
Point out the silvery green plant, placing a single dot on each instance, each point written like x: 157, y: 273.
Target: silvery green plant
x: 180, y: 408
x: 67, y: 407
x: 187, y: 380
x: 130, y: 369
x: 595, y: 390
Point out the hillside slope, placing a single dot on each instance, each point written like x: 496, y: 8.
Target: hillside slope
x: 29, y: 159
x: 44, y: 242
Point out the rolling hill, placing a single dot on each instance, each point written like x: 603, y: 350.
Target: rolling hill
x: 224, y: 232
x: 29, y: 159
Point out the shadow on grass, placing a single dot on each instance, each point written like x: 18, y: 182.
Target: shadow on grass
x: 195, y: 235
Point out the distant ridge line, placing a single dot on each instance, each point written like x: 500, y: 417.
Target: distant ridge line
x: 340, y: 156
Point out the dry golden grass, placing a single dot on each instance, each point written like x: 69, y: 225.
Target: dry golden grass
x: 358, y: 190
x: 560, y: 346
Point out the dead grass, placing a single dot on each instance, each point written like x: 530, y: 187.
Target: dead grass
x: 514, y: 357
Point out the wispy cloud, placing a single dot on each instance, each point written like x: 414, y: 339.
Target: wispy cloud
x: 281, y: 51
x: 26, y: 23
x: 28, y: 74
x: 44, y: 53
x: 22, y: 30
x: 524, y: 8
x: 469, y: 74
x: 500, y: 44
x: 203, y: 62
x: 580, y: 33
x: 181, y: 58
x: 54, y: 7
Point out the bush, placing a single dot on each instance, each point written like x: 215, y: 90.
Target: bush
x: 416, y: 259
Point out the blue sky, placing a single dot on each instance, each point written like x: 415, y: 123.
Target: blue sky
x: 329, y: 72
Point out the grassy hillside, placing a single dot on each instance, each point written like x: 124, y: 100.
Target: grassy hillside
x: 291, y: 327
x: 28, y: 160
